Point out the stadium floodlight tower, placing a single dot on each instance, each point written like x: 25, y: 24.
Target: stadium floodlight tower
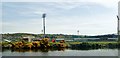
x: 78, y: 32
x: 43, y: 16
x: 118, y: 28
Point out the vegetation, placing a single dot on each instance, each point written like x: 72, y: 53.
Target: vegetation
x: 95, y: 45
x: 18, y: 36
x: 46, y: 43
x: 73, y: 45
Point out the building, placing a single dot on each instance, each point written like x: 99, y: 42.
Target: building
x: 85, y: 39
x: 94, y: 39
x: 59, y: 39
x: 28, y: 38
x: 69, y: 40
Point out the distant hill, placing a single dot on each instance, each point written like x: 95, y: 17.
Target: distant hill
x: 17, y: 36
x: 107, y: 35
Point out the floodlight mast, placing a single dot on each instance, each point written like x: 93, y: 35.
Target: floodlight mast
x: 118, y: 28
x: 43, y: 16
x: 78, y: 32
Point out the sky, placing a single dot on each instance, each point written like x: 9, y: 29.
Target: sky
x: 90, y: 17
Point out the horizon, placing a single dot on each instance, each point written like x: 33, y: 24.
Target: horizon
x: 90, y: 18
x: 63, y: 34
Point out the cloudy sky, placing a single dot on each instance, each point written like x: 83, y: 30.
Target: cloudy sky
x: 90, y: 17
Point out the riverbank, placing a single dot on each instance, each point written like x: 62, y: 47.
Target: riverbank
x: 73, y: 45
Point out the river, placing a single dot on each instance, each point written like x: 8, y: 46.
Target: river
x: 61, y: 52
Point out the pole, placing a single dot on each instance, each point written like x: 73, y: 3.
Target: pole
x: 118, y: 29
x: 44, y: 15
x: 44, y: 25
x: 78, y: 32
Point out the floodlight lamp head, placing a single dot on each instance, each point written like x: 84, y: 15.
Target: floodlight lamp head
x: 44, y: 15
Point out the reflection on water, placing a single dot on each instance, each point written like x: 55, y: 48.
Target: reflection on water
x: 35, y: 50
x: 46, y: 49
x: 59, y: 52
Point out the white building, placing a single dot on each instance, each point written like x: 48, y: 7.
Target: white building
x: 28, y: 38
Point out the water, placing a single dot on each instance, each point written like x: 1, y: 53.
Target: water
x: 61, y: 52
